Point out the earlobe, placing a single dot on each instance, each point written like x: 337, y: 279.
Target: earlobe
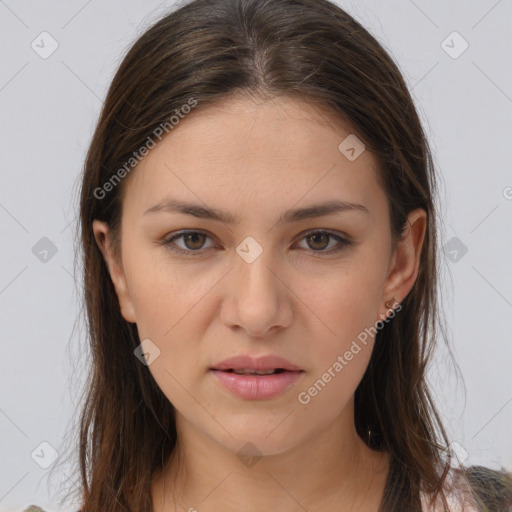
x: 102, y: 236
x: 406, y: 259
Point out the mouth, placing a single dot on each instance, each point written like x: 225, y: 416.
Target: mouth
x: 249, y: 384
x: 255, y: 372
x: 257, y: 365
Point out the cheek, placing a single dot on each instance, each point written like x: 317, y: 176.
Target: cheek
x: 167, y: 305
x: 342, y: 305
x: 327, y: 394
x: 340, y: 351
x: 170, y: 311
x: 165, y: 294
x: 341, y: 343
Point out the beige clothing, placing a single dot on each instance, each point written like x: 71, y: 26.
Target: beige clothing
x: 460, y: 499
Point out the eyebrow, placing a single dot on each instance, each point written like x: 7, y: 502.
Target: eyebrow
x: 294, y: 215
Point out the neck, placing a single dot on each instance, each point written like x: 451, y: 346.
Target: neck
x: 332, y: 470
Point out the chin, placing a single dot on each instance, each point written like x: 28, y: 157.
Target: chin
x: 257, y: 442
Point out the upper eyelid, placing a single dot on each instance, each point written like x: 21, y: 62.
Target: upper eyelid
x: 180, y: 234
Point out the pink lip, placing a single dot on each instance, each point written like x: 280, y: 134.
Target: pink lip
x: 257, y: 387
x: 246, y: 362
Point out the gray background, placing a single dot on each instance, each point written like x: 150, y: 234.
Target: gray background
x: 48, y: 110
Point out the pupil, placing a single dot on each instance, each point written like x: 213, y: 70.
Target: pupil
x: 314, y: 236
x: 193, y: 236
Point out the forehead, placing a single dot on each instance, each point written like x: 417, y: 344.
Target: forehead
x: 266, y: 152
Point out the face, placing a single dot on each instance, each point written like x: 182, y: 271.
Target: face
x: 271, y: 276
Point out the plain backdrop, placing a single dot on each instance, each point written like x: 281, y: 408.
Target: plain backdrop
x: 456, y: 59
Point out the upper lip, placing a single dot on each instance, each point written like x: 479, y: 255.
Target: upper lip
x: 246, y: 362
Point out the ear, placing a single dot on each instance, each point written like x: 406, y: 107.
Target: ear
x: 103, y: 239
x: 405, y: 262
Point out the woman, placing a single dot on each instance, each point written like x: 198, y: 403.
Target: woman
x: 258, y: 223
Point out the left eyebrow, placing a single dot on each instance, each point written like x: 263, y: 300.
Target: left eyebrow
x: 294, y: 215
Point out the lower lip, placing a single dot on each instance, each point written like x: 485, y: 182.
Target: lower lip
x: 257, y: 387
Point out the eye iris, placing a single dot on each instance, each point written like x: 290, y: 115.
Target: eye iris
x: 195, y: 240
x: 314, y: 236
x: 193, y: 237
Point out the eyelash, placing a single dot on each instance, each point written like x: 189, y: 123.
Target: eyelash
x: 168, y: 242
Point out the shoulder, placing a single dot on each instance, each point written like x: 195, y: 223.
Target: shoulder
x: 492, y: 487
x: 459, y: 499
x: 35, y: 508
x: 475, y: 489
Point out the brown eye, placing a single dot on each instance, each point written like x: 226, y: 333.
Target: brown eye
x: 194, y: 241
x: 318, y: 240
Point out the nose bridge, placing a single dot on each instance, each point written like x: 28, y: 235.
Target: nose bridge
x: 254, y: 263
x: 257, y: 293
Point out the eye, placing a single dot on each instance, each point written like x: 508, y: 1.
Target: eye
x: 319, y: 240
x: 193, y: 240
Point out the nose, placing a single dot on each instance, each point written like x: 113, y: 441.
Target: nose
x: 260, y: 302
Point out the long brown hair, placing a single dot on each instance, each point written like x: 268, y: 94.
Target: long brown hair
x: 202, y: 53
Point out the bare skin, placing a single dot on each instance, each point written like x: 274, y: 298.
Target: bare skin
x: 298, y: 299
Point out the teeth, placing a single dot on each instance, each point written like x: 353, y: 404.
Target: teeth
x: 252, y: 372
